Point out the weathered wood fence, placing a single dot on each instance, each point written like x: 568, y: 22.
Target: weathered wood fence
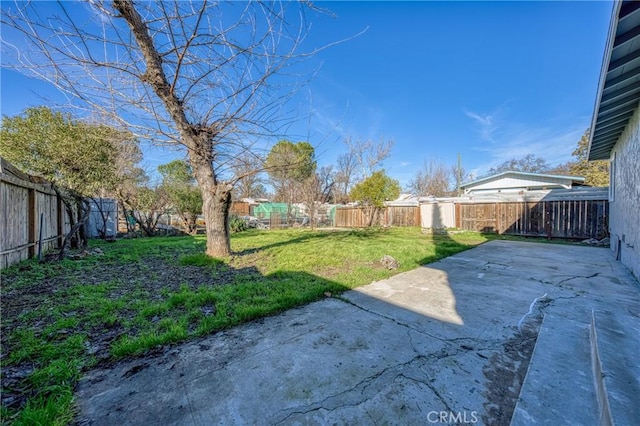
x: 31, y: 212
x: 358, y: 217
x: 579, y: 219
x: 574, y: 219
x: 240, y: 208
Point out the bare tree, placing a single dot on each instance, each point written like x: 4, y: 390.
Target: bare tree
x: 248, y: 170
x: 209, y: 77
x: 316, y: 190
x: 530, y: 163
x: 146, y: 207
x: 345, y: 176
x: 434, y: 178
x: 368, y: 155
x: 362, y: 159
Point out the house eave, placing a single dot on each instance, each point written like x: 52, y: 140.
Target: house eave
x: 618, y: 93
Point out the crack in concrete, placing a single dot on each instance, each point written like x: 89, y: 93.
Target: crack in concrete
x: 578, y: 276
x: 365, y: 387
x: 439, y: 396
x: 366, y: 390
x: 345, y: 300
x: 363, y: 384
x: 561, y: 282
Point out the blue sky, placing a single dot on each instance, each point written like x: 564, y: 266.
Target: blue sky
x: 488, y: 80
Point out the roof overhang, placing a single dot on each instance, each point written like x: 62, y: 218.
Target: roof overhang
x: 619, y: 86
x: 511, y: 173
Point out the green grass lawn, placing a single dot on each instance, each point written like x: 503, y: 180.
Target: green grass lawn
x: 140, y: 295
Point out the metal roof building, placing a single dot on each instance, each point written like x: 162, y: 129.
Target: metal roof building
x: 520, y: 181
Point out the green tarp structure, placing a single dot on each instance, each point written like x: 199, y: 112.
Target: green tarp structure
x: 332, y: 215
x: 265, y: 210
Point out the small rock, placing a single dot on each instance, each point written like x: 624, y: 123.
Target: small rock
x: 208, y: 310
x: 389, y: 262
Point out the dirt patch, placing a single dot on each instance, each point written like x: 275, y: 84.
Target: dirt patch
x: 33, y: 304
x: 506, y: 371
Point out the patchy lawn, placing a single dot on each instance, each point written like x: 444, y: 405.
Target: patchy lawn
x: 140, y: 295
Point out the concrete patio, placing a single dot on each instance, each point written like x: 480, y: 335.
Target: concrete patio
x: 448, y: 343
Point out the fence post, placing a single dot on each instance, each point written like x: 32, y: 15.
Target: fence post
x: 547, y: 218
x: 33, y: 223
x: 60, y: 224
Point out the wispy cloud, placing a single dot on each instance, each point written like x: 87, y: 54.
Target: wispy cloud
x: 510, y: 139
x: 485, y: 123
x: 488, y: 125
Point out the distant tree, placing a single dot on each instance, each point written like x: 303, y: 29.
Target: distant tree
x: 460, y: 175
x: 182, y: 191
x: 374, y: 191
x: 146, y: 205
x: 596, y: 173
x: 530, y: 163
x: 317, y: 189
x: 434, y: 178
x: 250, y: 179
x: 289, y: 164
x: 133, y: 179
x: 77, y: 157
x: 362, y: 159
x: 368, y: 154
x: 563, y: 169
x: 344, y: 178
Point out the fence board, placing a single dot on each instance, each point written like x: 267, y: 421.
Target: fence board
x: 239, y: 208
x: 23, y: 199
x: 357, y: 217
x: 579, y: 219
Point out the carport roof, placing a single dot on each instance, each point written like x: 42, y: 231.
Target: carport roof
x: 619, y: 87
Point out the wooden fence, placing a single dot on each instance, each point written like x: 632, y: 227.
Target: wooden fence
x: 240, y: 208
x: 357, y: 217
x: 579, y: 219
x: 31, y: 213
x: 574, y: 219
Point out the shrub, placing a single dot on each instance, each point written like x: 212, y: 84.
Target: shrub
x: 237, y: 224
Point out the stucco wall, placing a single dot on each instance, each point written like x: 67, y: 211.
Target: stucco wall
x: 624, y: 210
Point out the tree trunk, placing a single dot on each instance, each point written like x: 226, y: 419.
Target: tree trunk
x: 216, y: 195
x: 216, y: 205
x: 372, y: 215
x: 84, y: 209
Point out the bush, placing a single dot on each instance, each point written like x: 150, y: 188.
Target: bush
x: 237, y: 224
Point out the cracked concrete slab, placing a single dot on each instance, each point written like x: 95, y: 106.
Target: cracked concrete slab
x: 436, y: 345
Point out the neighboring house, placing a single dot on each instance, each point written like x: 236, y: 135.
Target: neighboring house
x: 520, y: 181
x: 615, y: 130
